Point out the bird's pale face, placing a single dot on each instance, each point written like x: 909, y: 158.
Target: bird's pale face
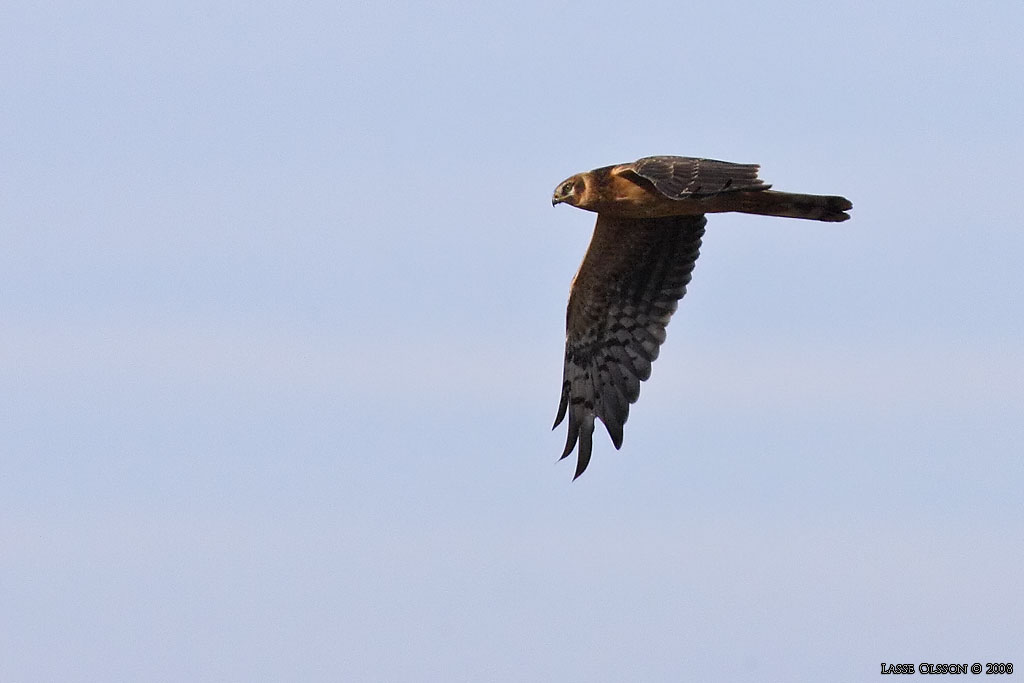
x: 569, y: 191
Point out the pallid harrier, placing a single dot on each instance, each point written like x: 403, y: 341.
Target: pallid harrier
x: 650, y: 219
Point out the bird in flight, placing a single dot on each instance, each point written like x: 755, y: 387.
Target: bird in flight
x: 650, y: 220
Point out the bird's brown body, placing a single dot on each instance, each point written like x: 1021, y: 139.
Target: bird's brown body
x: 631, y: 191
x: 649, y: 228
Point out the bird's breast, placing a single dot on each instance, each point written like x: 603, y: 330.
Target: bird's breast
x: 616, y: 195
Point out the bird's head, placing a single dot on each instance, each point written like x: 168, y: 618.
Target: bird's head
x: 569, y: 191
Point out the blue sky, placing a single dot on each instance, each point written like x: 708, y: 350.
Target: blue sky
x: 283, y: 299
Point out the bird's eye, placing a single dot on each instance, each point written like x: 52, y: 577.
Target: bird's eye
x: 567, y: 188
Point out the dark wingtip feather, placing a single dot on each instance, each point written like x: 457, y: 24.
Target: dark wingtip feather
x: 614, y: 431
x: 581, y: 466
x: 571, y: 438
x: 563, y: 404
x: 584, y: 455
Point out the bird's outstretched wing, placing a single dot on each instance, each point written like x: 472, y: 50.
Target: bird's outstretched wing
x: 687, y: 177
x: 632, y: 277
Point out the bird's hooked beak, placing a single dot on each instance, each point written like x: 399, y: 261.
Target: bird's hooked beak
x: 563, y: 193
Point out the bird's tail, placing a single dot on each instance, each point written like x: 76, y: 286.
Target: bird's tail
x: 811, y: 206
